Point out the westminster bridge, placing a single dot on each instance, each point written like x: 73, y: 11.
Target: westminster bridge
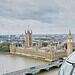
x: 36, y: 69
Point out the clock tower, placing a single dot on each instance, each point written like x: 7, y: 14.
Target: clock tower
x: 69, y: 43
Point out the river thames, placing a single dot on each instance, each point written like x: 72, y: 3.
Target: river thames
x: 10, y: 63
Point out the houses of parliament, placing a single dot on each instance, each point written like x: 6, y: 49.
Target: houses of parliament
x: 37, y: 51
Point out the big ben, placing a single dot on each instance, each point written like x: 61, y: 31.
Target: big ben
x: 69, y: 43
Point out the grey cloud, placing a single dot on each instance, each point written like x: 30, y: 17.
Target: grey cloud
x: 31, y: 9
x: 45, y: 14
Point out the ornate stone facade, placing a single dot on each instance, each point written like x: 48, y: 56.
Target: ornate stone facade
x: 44, y: 53
x: 69, y: 43
x: 28, y: 38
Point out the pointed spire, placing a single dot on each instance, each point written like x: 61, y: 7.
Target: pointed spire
x: 28, y: 27
x: 69, y: 34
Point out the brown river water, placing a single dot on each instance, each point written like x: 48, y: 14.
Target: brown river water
x: 10, y: 63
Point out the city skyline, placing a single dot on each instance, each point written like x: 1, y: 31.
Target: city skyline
x: 43, y: 16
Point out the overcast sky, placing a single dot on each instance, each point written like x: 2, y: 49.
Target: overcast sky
x: 43, y: 16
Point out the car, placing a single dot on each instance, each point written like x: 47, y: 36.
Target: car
x: 32, y: 67
x: 68, y: 66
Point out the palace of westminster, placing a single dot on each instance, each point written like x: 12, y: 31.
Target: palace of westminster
x: 37, y: 51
